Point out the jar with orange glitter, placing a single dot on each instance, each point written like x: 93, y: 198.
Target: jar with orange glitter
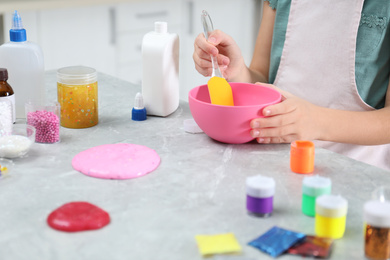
x: 377, y: 230
x: 77, y: 93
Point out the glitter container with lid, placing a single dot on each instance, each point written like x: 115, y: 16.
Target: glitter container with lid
x: 77, y: 93
x: 46, y: 120
x: 331, y: 215
x: 260, y: 192
x: 377, y: 230
x: 313, y: 187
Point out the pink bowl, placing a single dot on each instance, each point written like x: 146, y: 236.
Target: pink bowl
x: 231, y: 124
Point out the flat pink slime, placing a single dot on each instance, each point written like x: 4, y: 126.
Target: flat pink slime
x: 116, y: 161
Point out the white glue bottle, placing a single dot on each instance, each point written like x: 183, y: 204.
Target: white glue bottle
x: 160, y: 71
x: 24, y: 62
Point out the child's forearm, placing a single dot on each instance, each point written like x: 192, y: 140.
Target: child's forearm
x: 249, y: 75
x: 363, y: 128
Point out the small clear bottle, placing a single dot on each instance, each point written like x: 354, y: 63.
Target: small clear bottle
x: 6, y: 91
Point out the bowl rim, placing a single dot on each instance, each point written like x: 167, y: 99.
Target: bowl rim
x: 27, y: 126
x: 279, y: 99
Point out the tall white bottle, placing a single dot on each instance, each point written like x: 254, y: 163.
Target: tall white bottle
x: 24, y: 62
x: 160, y: 75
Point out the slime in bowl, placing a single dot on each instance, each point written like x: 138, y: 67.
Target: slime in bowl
x: 231, y: 124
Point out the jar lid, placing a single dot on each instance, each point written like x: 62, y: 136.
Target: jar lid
x: 3, y: 74
x: 331, y: 206
x: 316, y: 185
x: 260, y: 186
x: 377, y: 213
x: 76, y: 75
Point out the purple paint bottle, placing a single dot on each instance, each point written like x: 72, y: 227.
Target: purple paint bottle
x: 260, y: 192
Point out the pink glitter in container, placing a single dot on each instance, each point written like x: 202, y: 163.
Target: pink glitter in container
x: 46, y: 120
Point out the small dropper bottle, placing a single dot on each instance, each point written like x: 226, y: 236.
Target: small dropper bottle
x: 139, y: 111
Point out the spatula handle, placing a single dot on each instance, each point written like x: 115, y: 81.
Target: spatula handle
x: 208, y: 28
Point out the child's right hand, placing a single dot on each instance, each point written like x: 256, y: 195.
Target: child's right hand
x: 224, y: 48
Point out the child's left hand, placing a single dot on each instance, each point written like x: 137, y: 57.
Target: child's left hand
x: 291, y: 119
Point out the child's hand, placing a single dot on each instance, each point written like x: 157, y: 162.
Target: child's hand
x: 224, y: 48
x: 290, y: 120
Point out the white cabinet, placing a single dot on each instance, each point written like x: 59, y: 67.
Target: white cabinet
x: 108, y: 37
x: 71, y: 36
x: 133, y: 21
x: 78, y: 36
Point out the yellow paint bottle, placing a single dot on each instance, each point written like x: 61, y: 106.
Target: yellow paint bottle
x: 331, y: 215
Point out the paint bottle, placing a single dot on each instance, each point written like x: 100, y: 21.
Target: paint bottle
x: 313, y: 187
x: 160, y: 71
x: 24, y: 62
x: 377, y: 230
x: 77, y: 93
x: 302, y: 156
x: 260, y: 192
x: 331, y: 215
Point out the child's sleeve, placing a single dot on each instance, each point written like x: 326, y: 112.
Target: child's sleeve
x: 272, y: 3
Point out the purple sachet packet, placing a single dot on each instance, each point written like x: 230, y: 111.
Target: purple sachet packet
x: 276, y: 241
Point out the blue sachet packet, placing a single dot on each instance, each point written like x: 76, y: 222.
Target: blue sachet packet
x: 276, y: 241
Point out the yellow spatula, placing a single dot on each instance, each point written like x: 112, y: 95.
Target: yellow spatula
x: 219, y: 89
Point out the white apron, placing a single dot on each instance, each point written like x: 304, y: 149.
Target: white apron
x: 319, y: 57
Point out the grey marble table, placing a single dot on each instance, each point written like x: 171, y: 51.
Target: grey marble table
x: 199, y: 188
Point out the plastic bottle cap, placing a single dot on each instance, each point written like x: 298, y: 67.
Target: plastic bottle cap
x: 377, y: 213
x: 3, y: 74
x: 192, y: 127
x: 139, y: 112
x: 76, y: 75
x: 161, y: 27
x: 260, y: 186
x: 302, y: 156
x: 331, y: 206
x: 316, y: 185
x: 17, y: 32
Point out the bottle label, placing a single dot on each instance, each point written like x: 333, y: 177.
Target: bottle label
x: 12, y: 99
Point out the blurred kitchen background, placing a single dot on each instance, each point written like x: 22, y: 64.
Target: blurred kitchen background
x: 107, y: 34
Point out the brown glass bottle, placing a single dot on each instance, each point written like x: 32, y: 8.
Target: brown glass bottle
x: 6, y: 90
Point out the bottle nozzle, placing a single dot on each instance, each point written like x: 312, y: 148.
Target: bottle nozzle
x: 17, y: 21
x: 17, y: 32
x: 139, y: 101
x: 139, y: 111
x: 161, y: 27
